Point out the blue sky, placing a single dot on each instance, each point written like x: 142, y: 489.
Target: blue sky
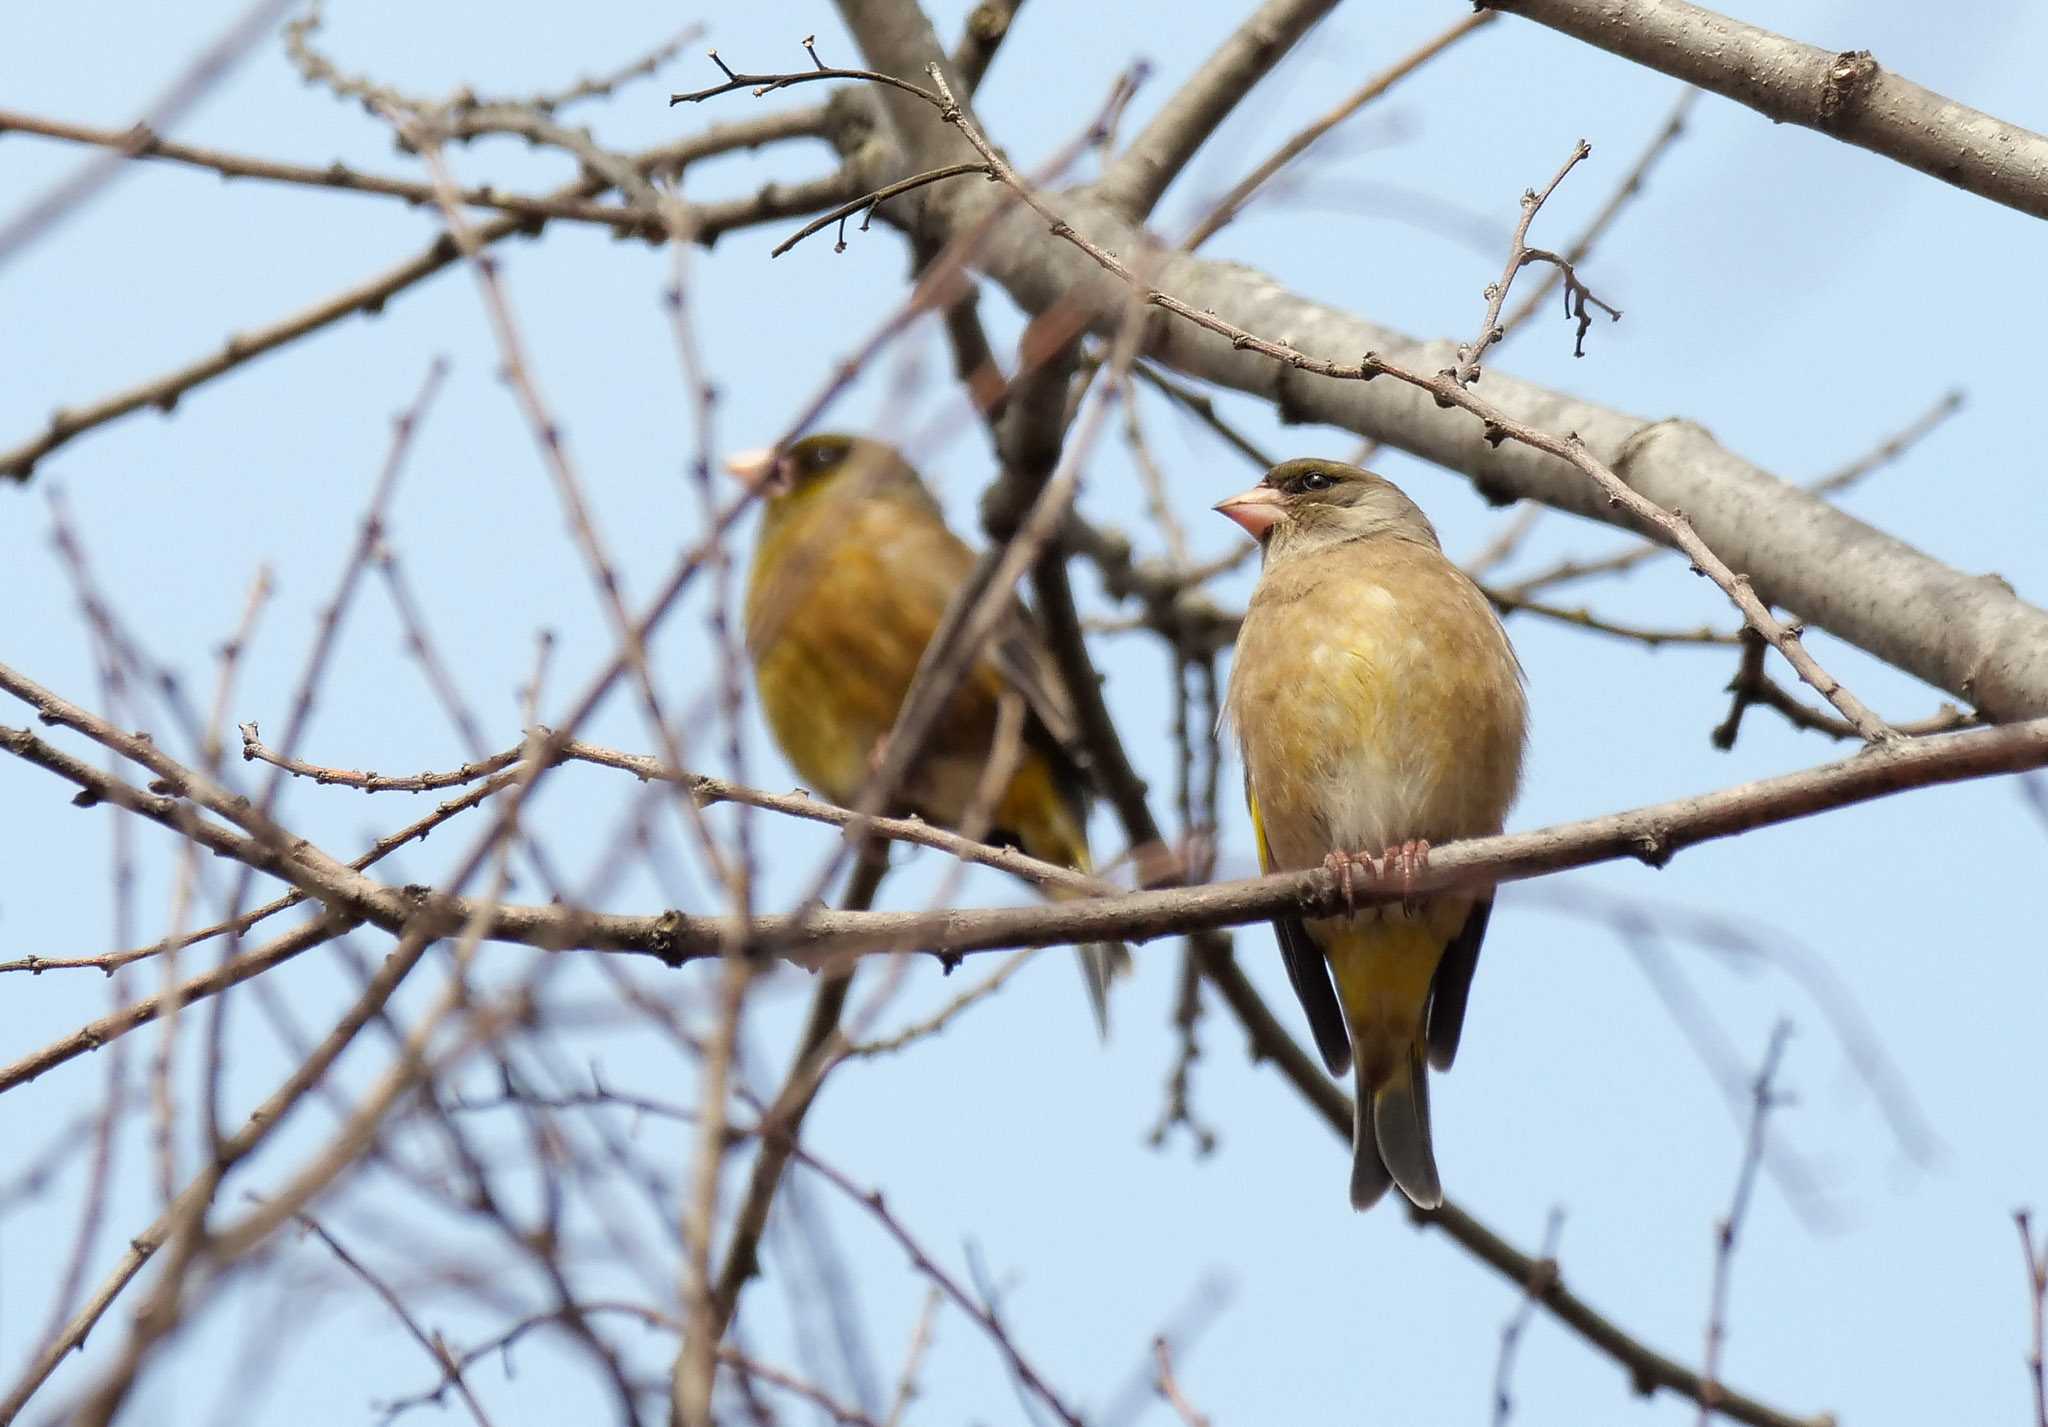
x: 1798, y: 298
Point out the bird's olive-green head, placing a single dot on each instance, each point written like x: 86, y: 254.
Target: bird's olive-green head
x: 807, y: 466
x: 1312, y: 504
x: 824, y: 468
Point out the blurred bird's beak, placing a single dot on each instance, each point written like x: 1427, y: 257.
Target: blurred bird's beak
x: 756, y: 470
x: 1257, y: 510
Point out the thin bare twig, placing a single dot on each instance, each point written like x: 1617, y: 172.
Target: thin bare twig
x: 1543, y: 1273
x: 1765, y: 1099
x: 870, y: 202
x: 1630, y: 186
x: 1520, y: 255
x: 913, y: 1358
x: 2037, y: 1304
x: 1751, y: 687
x: 978, y: 1312
x: 1169, y: 1387
x: 256, y: 750
x: 432, y: 1343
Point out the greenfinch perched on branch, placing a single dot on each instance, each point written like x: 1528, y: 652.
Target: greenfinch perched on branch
x: 853, y: 569
x: 1380, y: 709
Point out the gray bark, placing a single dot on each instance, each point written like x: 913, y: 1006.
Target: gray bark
x: 1848, y: 96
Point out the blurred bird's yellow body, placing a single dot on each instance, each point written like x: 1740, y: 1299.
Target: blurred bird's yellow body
x: 1379, y: 706
x: 852, y: 572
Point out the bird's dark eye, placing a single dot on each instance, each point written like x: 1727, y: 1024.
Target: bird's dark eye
x: 820, y: 454
x: 1309, y: 481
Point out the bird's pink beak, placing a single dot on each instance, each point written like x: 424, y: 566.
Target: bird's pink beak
x: 755, y: 470
x: 1257, y: 510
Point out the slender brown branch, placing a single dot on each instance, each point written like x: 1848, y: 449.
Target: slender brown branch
x: 1891, y: 448
x: 1631, y: 185
x: 1520, y: 255
x: 870, y: 202
x: 255, y: 750
x: 913, y: 1359
x: 708, y: 790
x: 704, y: 788
x: 762, y: 84
x: 143, y: 143
x: 1752, y: 687
x: 1579, y: 616
x: 1191, y: 621
x: 966, y: 999
x: 1651, y: 834
x: 382, y: 848
x: 1203, y: 410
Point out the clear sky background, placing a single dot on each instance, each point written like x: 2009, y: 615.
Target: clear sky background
x: 1799, y: 298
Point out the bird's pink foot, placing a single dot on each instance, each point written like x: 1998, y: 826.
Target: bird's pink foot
x: 1344, y: 866
x: 1408, y: 862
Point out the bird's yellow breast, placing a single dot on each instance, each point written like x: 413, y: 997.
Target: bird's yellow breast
x: 846, y: 590
x: 1377, y: 700
x: 834, y: 636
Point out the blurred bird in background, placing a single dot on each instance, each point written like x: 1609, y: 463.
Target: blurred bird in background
x: 1380, y: 709
x: 853, y: 569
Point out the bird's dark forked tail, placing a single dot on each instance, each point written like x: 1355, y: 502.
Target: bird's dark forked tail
x: 1390, y: 1140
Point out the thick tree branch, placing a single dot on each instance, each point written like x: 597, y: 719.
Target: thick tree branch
x: 988, y: 25
x: 896, y: 37
x: 1847, y: 96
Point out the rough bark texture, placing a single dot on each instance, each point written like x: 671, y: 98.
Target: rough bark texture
x: 1846, y: 95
